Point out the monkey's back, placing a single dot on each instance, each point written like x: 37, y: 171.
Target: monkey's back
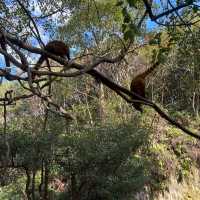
x: 58, y: 48
x: 138, y: 87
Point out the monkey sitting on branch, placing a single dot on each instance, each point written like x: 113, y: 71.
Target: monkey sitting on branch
x: 138, y: 86
x: 56, y: 47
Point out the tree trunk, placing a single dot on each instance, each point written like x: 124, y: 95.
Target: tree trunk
x: 101, y: 103
x: 28, y: 181
x: 41, y: 186
x: 46, y: 180
x: 33, y: 184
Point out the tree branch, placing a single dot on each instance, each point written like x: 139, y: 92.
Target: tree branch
x: 123, y: 92
x: 156, y: 17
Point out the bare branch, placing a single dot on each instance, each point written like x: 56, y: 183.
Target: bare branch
x: 21, y: 55
x: 120, y: 90
x: 123, y: 92
x: 181, y: 19
x: 11, y: 59
x: 32, y: 20
x: 156, y: 17
x: 9, y: 76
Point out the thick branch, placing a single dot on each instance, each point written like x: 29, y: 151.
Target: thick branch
x: 62, y: 61
x: 9, y: 76
x: 115, y: 87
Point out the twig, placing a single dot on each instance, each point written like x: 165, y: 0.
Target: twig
x: 32, y: 20
x: 176, y: 11
x: 165, y: 13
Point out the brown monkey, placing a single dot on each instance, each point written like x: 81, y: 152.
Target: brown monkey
x: 138, y: 85
x: 9, y: 96
x: 56, y: 47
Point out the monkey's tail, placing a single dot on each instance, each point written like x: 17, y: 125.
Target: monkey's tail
x: 148, y: 71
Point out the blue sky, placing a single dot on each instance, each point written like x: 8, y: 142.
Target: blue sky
x: 45, y: 37
x: 151, y: 25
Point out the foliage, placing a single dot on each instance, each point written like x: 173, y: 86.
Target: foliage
x: 108, y: 151
x: 102, y: 161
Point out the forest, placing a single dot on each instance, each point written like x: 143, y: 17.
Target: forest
x: 99, y: 100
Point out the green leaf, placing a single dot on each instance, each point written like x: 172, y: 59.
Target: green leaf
x: 189, y: 1
x: 195, y: 9
x: 132, y: 3
x: 124, y: 12
x: 157, y: 38
x: 129, y: 34
x: 134, y: 28
x: 127, y: 17
x: 119, y: 3
x: 153, y: 42
x: 164, y: 49
x: 154, y: 54
x: 124, y: 27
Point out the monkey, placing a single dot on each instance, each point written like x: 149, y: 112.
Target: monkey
x: 138, y: 86
x: 56, y: 47
x: 9, y: 96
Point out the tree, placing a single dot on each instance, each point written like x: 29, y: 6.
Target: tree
x: 103, y: 35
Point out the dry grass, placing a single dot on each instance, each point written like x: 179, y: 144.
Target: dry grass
x: 187, y: 190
